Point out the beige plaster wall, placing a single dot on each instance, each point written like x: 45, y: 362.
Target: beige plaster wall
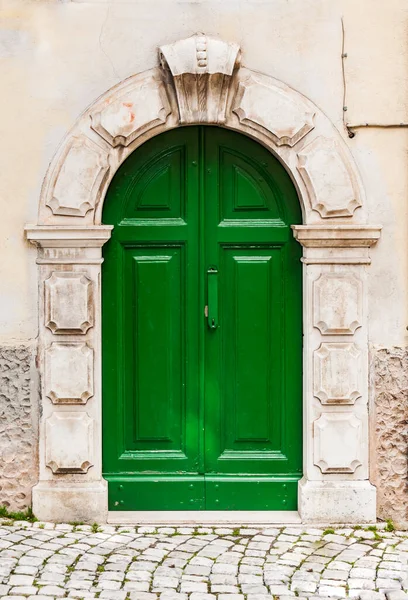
x: 57, y: 57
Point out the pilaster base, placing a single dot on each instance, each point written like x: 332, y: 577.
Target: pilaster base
x: 65, y: 503
x: 337, y: 501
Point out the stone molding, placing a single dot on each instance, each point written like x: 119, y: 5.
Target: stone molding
x: 69, y: 373
x: 272, y: 110
x: 326, y: 156
x: 337, y: 236
x: 200, y: 80
x: 337, y: 303
x: 75, y: 289
x: 337, y: 373
x: 337, y: 442
x: 74, y: 236
x: 77, y: 195
x: 201, y: 68
x: 137, y: 109
x: 69, y: 442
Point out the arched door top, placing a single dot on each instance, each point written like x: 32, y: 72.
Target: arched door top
x: 200, y: 81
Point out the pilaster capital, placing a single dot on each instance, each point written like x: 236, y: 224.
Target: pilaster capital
x: 68, y: 236
x: 336, y: 244
x: 337, y: 236
x: 65, y: 244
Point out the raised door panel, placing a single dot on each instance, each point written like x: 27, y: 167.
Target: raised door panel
x: 251, y: 319
x: 250, y: 366
x: 246, y: 190
x: 155, y: 330
x: 157, y: 190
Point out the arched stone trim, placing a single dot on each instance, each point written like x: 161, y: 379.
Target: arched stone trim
x: 201, y: 80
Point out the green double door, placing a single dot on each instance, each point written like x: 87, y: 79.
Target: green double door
x: 202, y: 332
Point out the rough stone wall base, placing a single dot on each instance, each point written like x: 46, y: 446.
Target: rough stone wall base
x: 390, y: 374
x: 18, y: 426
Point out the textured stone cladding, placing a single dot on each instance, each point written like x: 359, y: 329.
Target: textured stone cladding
x: 18, y: 429
x: 391, y: 397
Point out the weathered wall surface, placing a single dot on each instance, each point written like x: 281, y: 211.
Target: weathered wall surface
x: 390, y: 369
x: 18, y: 426
x: 57, y: 57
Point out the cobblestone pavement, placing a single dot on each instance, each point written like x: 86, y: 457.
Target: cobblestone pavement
x: 45, y: 561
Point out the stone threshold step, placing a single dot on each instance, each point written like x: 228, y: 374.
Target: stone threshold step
x: 208, y: 517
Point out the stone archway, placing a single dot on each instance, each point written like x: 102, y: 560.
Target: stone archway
x: 200, y: 81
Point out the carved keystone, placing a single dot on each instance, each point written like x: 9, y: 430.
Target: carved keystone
x: 272, y: 110
x: 69, y: 442
x: 337, y: 442
x: 69, y: 373
x: 202, y: 69
x: 337, y: 373
x: 68, y: 302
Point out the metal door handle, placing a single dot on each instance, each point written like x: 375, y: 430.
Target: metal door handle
x: 212, y: 297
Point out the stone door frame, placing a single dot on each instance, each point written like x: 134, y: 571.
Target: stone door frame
x: 200, y: 80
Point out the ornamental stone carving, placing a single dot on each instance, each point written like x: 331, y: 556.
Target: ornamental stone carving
x: 141, y: 105
x: 272, y: 109
x: 68, y: 302
x: 69, y: 442
x: 337, y: 373
x: 201, y: 68
x: 338, y: 442
x: 69, y: 373
x: 200, y: 81
x: 83, y: 167
x: 330, y: 181
x: 337, y: 303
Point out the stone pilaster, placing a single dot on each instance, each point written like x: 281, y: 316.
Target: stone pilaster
x: 70, y: 485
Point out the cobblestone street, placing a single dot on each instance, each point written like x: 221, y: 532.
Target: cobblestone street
x: 43, y: 560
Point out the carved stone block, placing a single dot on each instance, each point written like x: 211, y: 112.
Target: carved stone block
x: 83, y: 167
x: 202, y: 69
x: 68, y: 302
x: 69, y: 442
x: 140, y: 106
x: 337, y: 303
x: 338, y: 442
x: 272, y: 110
x: 337, y: 373
x: 69, y: 373
x: 329, y: 179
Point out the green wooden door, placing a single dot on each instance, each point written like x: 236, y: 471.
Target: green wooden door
x: 202, y: 331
